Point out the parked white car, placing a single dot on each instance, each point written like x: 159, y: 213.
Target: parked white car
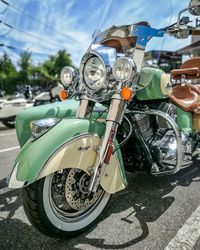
x: 10, y: 108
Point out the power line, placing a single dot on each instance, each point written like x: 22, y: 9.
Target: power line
x: 3, y: 35
x: 9, y: 55
x: 6, y: 24
x: 34, y: 19
x: 19, y: 49
x: 6, y: 32
x: 7, y: 46
x: 3, y: 11
x: 28, y: 34
x: 14, y: 48
x: 9, y: 30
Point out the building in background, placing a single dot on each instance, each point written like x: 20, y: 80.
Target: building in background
x: 191, y: 50
x: 169, y: 60
x: 165, y: 60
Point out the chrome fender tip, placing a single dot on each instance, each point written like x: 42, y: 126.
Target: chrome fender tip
x: 12, y: 181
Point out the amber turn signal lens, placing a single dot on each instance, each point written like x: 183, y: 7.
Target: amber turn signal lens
x: 127, y: 93
x: 63, y: 95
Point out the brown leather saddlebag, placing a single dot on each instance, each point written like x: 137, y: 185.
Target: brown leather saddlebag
x: 196, y: 121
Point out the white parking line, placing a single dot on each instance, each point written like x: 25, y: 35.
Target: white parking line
x: 9, y: 149
x: 188, y: 235
x: 7, y: 134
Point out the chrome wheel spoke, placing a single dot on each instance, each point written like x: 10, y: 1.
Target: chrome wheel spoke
x: 70, y: 197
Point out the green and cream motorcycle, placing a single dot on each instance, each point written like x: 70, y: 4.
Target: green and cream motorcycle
x: 121, y: 116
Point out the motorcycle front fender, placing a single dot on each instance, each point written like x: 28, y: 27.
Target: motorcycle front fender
x: 57, y: 110
x: 72, y: 143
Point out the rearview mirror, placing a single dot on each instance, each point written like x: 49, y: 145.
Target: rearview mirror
x: 194, y: 7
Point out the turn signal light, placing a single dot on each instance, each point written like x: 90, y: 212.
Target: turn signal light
x: 63, y: 95
x: 127, y: 93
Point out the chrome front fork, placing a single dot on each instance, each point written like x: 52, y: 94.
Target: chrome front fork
x: 83, y: 107
x: 114, y: 118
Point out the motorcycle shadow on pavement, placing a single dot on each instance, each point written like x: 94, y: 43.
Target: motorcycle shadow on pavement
x: 14, y: 233
x: 145, y: 200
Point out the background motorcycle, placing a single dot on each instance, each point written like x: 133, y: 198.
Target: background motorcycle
x: 2, y: 99
x: 2, y: 93
x: 25, y: 99
x: 79, y: 162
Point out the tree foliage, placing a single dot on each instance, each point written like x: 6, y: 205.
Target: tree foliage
x: 56, y: 62
x: 8, y: 73
x: 25, y: 72
x: 24, y: 64
x: 7, y: 69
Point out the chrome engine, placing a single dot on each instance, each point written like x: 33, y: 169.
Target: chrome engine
x: 164, y: 150
x: 162, y: 141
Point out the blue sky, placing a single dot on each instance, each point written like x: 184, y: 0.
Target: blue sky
x: 69, y: 24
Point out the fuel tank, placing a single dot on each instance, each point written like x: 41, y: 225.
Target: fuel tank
x: 153, y: 84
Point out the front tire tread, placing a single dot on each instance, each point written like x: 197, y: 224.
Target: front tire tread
x: 29, y: 195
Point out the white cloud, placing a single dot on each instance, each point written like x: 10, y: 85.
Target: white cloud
x: 60, y: 15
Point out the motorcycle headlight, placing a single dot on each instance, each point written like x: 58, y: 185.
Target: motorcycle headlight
x: 68, y: 76
x: 123, y: 69
x: 94, y: 73
x: 40, y: 127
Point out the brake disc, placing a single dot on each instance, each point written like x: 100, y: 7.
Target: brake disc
x: 76, y: 190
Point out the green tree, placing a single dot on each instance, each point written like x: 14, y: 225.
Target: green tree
x: 48, y: 66
x: 25, y: 64
x: 62, y: 59
x: 56, y: 62
x: 7, y: 69
x: 41, y: 74
x: 8, y: 74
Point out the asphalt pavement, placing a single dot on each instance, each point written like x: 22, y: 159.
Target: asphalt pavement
x: 152, y: 213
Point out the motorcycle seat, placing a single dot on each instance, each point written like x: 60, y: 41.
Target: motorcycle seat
x: 185, y: 97
x: 190, y: 73
x: 190, y: 69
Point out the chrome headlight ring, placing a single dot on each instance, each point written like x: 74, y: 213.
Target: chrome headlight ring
x: 94, y: 73
x: 124, y: 69
x: 97, y: 74
x: 69, y: 76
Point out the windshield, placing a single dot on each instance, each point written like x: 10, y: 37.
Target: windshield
x: 161, y: 49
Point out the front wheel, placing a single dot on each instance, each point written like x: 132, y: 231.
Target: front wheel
x: 60, y: 204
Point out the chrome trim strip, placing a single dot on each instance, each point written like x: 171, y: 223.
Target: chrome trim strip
x: 174, y: 126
